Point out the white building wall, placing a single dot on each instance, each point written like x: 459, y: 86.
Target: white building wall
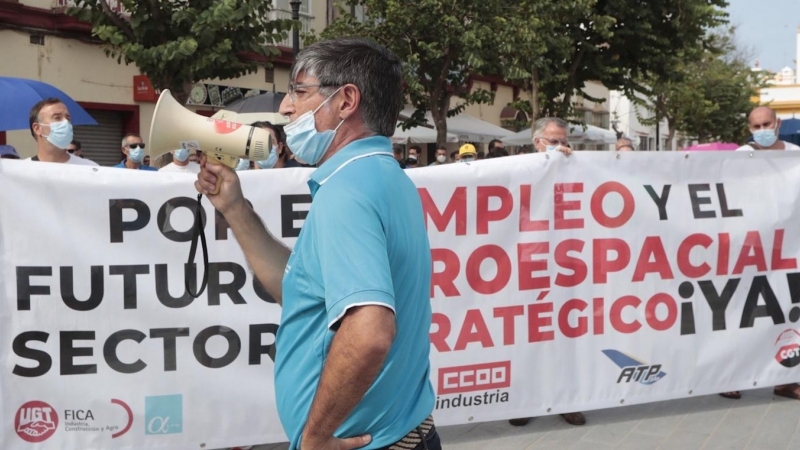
x: 627, y: 114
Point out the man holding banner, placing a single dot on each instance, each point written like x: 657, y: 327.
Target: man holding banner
x: 351, y: 367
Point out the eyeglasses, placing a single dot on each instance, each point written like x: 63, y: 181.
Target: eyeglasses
x: 136, y: 145
x: 554, y: 141
x: 295, y: 89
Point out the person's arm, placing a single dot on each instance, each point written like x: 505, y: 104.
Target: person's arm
x: 266, y: 255
x: 356, y: 356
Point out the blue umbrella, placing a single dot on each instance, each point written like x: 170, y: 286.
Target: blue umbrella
x: 790, y: 130
x: 18, y: 95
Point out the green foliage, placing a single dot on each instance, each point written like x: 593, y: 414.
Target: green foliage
x: 552, y: 48
x: 561, y: 45
x: 707, y: 92
x: 177, y: 43
x: 442, y: 44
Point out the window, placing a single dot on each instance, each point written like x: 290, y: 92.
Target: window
x: 600, y: 119
x: 643, y: 143
x: 358, y: 11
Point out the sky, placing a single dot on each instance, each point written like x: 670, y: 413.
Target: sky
x: 769, y: 28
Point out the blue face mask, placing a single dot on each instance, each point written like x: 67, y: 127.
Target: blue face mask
x: 271, y: 160
x: 244, y: 164
x: 302, y: 137
x: 136, y: 155
x: 765, y: 138
x: 551, y: 148
x: 60, y: 134
x: 181, y: 154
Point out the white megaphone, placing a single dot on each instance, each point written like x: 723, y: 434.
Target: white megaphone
x: 223, y: 142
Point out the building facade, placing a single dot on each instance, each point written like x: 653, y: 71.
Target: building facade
x: 783, y: 91
x: 45, y: 44
x: 627, y: 117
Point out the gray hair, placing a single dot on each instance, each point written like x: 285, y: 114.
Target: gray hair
x: 541, y: 124
x: 374, y: 70
x: 125, y: 138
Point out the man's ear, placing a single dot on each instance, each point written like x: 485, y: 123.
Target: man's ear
x: 351, y: 100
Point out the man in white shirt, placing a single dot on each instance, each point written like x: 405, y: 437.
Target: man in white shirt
x: 765, y: 126
x: 181, y: 163
x: 51, y: 126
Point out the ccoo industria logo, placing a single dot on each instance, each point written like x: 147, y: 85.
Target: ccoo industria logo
x: 634, y: 370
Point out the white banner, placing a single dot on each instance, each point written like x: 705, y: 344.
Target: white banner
x: 559, y: 285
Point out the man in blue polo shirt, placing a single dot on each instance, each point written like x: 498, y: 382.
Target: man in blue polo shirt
x: 351, y: 367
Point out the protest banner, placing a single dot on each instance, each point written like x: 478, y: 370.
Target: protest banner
x: 559, y: 284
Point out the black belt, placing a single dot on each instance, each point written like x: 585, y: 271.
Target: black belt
x: 415, y: 437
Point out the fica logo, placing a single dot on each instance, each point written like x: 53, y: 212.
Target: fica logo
x: 634, y: 370
x: 163, y: 414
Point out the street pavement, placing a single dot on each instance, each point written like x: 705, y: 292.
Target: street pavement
x: 759, y: 421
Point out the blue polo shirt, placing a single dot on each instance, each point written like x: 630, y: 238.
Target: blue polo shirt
x: 363, y: 243
x: 121, y: 165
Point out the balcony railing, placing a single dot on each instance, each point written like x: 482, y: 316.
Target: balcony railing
x: 305, y: 25
x: 115, y: 5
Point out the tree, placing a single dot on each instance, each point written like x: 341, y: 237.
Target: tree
x: 614, y: 42
x: 708, y: 91
x: 179, y: 42
x: 441, y: 44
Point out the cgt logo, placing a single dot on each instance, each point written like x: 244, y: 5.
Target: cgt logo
x: 633, y: 369
x: 477, y: 377
x: 35, y: 421
x: 163, y: 414
x: 788, y: 344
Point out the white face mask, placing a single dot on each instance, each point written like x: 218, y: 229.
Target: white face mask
x: 244, y: 164
x: 271, y: 160
x: 441, y: 159
x: 302, y: 137
x: 60, y: 133
x: 181, y: 154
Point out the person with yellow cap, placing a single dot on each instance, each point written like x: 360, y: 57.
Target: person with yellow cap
x: 467, y: 153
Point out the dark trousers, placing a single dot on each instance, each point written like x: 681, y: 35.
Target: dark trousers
x: 432, y: 442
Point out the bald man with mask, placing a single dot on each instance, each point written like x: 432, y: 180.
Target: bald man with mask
x: 765, y: 126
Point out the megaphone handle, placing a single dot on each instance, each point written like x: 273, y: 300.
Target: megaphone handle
x: 219, y: 179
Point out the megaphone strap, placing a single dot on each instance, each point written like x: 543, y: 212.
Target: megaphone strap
x: 199, y: 231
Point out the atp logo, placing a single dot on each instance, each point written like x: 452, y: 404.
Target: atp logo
x: 35, y: 421
x: 634, y: 370
x: 163, y: 414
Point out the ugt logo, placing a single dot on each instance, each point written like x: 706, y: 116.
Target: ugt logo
x: 633, y: 369
x: 35, y: 421
x: 163, y: 414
